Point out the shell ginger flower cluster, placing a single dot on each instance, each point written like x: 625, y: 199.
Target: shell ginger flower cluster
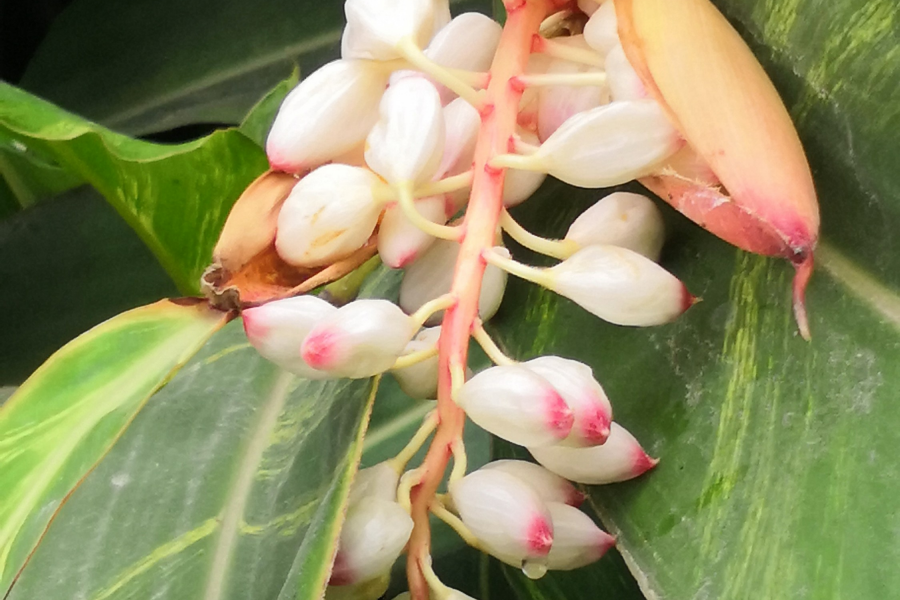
x: 414, y: 144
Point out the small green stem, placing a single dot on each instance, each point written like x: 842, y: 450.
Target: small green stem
x: 399, y: 462
x: 408, y: 206
x: 414, y: 358
x: 432, y: 306
x: 411, y: 52
x: 526, y: 272
x: 591, y: 78
x: 517, y: 161
x: 455, y: 523
x: 561, y: 249
x: 497, y: 356
x: 556, y: 49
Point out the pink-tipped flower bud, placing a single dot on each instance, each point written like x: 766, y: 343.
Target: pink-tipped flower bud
x: 420, y: 381
x: 609, y: 145
x: 601, y: 32
x: 432, y: 275
x: 624, y: 82
x: 517, y: 405
x: 468, y: 43
x: 557, y: 103
x: 400, y: 242
x: 375, y: 28
x: 577, y: 541
x: 372, y: 538
x: 548, y: 485
x: 360, y: 339
x: 575, y: 382
x: 619, y: 459
x: 620, y: 286
x: 328, y: 215
x: 505, y: 514
x: 327, y: 115
x: 277, y: 330
x: 621, y: 219
x: 519, y: 185
x: 406, y: 143
x: 378, y: 481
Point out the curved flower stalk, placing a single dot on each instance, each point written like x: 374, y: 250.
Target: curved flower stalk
x: 473, y: 118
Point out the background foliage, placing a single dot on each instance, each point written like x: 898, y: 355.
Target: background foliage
x: 777, y: 477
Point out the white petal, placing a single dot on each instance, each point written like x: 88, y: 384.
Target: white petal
x: 610, y: 145
x: 372, y: 538
x: 517, y: 405
x: 577, y: 541
x: 406, y: 143
x: 548, y: 485
x: 620, y: 286
x: 624, y: 83
x: 575, y: 382
x: 601, y: 32
x: 329, y: 214
x: 375, y: 27
x: 400, y: 242
x: 277, y: 330
x: 619, y: 459
x: 432, y: 274
x: 360, y: 339
x: 504, y: 513
x: 461, y: 125
x: 442, y: 16
x: 378, y: 481
x: 326, y: 115
x: 420, y: 381
x: 621, y: 219
x: 468, y: 42
x: 518, y: 186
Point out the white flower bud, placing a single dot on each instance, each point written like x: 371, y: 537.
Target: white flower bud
x: 601, y: 32
x: 326, y: 115
x: 624, y: 82
x: 442, y: 16
x: 621, y: 219
x: 378, y: 481
x: 589, y: 7
x: 432, y: 275
x: 609, y: 145
x: 420, y: 381
x: 360, y: 339
x: 620, y: 286
x: 548, y: 485
x: 372, y: 538
x: 577, y: 541
x: 619, y: 459
x: 328, y: 215
x: 505, y: 514
x: 406, y: 143
x: 517, y: 405
x: 400, y: 241
x: 461, y: 125
x: 556, y: 103
x: 468, y: 43
x: 518, y: 186
x: 371, y: 589
x: 575, y: 382
x: 376, y: 27
x: 277, y: 330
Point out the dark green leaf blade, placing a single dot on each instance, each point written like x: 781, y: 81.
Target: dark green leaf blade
x: 65, y: 417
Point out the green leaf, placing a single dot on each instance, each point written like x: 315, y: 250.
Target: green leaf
x: 176, y: 197
x: 259, y: 120
x: 67, y: 415
x: 232, y: 473
x: 28, y: 176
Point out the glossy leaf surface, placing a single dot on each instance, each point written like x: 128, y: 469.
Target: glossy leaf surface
x: 67, y: 415
x: 233, y: 472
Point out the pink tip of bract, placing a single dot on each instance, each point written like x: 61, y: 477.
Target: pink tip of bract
x: 604, y: 542
x: 318, y: 350
x: 576, y: 498
x: 595, y: 426
x: 254, y: 326
x: 403, y: 260
x: 539, y: 536
x: 559, y: 416
x: 340, y: 571
x: 643, y: 462
x: 687, y: 298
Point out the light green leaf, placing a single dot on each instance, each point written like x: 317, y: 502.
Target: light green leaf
x: 28, y: 176
x: 232, y: 473
x: 259, y: 120
x: 67, y: 415
x: 176, y: 197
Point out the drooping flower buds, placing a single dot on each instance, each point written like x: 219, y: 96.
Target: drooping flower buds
x: 378, y: 481
x: 516, y: 404
x: 620, y: 286
x: 601, y: 31
x: 360, y: 339
x: 505, y: 514
x: 400, y: 242
x: 277, y: 330
x: 619, y: 459
x: 326, y: 115
x: 330, y: 213
x: 575, y: 382
x: 549, y: 486
x: 468, y: 43
x: 375, y: 28
x: 405, y: 144
x: 621, y: 219
x: 577, y: 541
x: 432, y: 274
x: 372, y: 538
x: 420, y: 381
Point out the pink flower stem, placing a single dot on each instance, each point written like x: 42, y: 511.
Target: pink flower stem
x: 498, y: 123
